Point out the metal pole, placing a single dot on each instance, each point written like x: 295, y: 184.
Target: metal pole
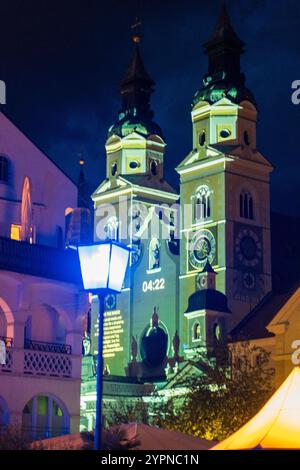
x: 99, y: 374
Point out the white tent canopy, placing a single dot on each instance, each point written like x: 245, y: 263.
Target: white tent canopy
x: 276, y: 425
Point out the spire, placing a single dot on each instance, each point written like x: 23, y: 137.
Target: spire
x: 224, y: 77
x: 208, y: 268
x: 224, y: 32
x: 81, y: 185
x: 136, y: 90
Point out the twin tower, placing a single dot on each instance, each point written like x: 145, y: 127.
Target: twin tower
x: 201, y: 259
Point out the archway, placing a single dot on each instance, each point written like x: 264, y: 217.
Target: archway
x: 45, y: 416
x: 6, y: 320
x: 4, y: 415
x: 45, y: 324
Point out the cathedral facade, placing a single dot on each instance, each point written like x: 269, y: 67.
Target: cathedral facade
x: 201, y: 258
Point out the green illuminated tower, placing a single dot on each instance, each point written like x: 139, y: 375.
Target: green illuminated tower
x: 225, y: 182
x: 141, y: 322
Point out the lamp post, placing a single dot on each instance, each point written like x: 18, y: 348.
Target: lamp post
x: 103, y: 269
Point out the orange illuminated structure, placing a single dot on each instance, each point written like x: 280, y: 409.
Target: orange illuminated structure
x: 276, y: 425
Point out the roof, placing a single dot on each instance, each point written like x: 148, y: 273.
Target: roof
x: 224, y: 31
x: 224, y: 77
x: 276, y: 425
x: 150, y: 181
x: 136, y: 89
x: 208, y: 268
x: 254, y: 325
x: 208, y: 299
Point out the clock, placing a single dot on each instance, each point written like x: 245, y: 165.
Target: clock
x: 110, y: 302
x: 202, y: 248
x: 248, y: 248
x: 248, y: 286
x: 249, y: 280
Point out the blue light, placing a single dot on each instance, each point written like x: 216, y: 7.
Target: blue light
x: 103, y: 265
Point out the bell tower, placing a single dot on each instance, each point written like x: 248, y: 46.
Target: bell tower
x: 224, y: 184
x: 134, y: 205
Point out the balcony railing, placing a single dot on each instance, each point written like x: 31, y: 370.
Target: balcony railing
x: 39, y: 260
x: 40, y: 358
x: 47, y: 347
x: 47, y: 363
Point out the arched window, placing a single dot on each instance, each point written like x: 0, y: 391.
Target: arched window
x: 196, y: 331
x: 114, y: 169
x: 43, y: 416
x: 202, y: 138
x: 154, y: 254
x: 153, y: 168
x: 217, y: 332
x: 246, y: 205
x: 246, y: 138
x: 112, y: 229
x: 3, y: 169
x: 202, y: 203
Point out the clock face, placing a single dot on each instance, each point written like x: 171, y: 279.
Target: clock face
x: 248, y: 247
x: 249, y: 280
x: 110, y: 302
x: 202, y: 248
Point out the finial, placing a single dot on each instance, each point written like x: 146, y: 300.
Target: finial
x: 136, y: 37
x: 81, y: 160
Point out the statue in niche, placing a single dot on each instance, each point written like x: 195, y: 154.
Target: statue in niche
x: 86, y: 343
x: 176, y: 343
x: 134, y: 349
x: 154, y: 318
x: 154, y: 254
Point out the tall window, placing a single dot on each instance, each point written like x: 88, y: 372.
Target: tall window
x: 111, y: 229
x: 246, y: 205
x: 154, y: 254
x: 202, y: 203
x: 3, y: 169
x: 196, y: 331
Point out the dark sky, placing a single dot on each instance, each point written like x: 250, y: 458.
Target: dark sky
x: 62, y: 62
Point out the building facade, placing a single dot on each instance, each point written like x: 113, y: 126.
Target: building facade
x: 199, y: 267
x: 42, y: 305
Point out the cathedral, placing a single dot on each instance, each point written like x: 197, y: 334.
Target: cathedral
x: 201, y: 259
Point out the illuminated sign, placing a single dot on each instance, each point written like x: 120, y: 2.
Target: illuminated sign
x: 157, y: 284
x: 113, y: 333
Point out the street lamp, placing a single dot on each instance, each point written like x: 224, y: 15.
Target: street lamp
x: 103, y: 268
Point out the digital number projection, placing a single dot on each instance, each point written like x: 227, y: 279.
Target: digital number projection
x: 157, y: 284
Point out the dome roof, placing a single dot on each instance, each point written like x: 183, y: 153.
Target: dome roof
x: 128, y: 123
x: 136, y: 89
x: 208, y: 299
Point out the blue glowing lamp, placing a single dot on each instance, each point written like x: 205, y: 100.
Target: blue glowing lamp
x: 103, y: 266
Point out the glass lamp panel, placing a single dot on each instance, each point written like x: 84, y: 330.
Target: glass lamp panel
x: 94, y: 262
x: 118, y: 266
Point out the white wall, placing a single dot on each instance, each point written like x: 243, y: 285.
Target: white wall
x: 52, y: 190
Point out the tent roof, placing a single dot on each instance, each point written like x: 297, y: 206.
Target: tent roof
x: 153, y: 438
x: 276, y: 425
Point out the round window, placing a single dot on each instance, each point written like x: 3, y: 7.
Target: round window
x: 133, y: 165
x: 225, y: 133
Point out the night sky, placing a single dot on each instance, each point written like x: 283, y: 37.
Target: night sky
x: 62, y: 62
